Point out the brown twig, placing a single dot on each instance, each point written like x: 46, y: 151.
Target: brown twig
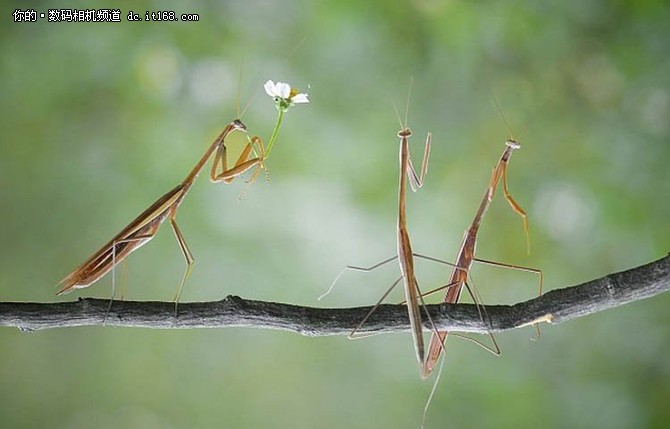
x: 554, y: 307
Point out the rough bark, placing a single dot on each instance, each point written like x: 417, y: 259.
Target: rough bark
x: 554, y: 307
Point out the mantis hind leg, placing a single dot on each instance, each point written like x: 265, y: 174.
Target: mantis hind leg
x: 519, y: 268
x: 188, y: 256
x: 355, y: 268
x: 114, y: 244
x: 353, y: 335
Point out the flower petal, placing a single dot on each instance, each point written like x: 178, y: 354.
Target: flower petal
x: 270, y: 88
x: 300, y: 98
x: 283, y: 89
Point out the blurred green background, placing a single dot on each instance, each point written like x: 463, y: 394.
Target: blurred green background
x: 99, y: 119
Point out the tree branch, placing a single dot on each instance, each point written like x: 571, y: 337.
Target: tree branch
x: 554, y: 307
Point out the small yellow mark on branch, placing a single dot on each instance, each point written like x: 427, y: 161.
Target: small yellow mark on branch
x: 549, y: 318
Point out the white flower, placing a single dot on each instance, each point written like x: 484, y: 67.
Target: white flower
x: 284, y: 95
x: 280, y: 89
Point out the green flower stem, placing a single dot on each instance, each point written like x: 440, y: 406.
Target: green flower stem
x: 273, y: 137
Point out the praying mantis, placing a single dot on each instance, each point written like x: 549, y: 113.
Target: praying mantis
x: 466, y: 255
x: 145, y: 226
x: 404, y: 255
x: 464, y: 260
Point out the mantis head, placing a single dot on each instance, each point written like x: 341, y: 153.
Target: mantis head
x: 238, y: 125
x: 404, y: 133
x: 512, y: 144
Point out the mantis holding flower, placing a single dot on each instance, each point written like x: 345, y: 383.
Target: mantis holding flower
x: 145, y: 226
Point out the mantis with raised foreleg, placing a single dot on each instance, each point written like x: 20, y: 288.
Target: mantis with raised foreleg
x: 145, y: 226
x: 404, y: 255
x: 465, y: 258
x: 466, y: 255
